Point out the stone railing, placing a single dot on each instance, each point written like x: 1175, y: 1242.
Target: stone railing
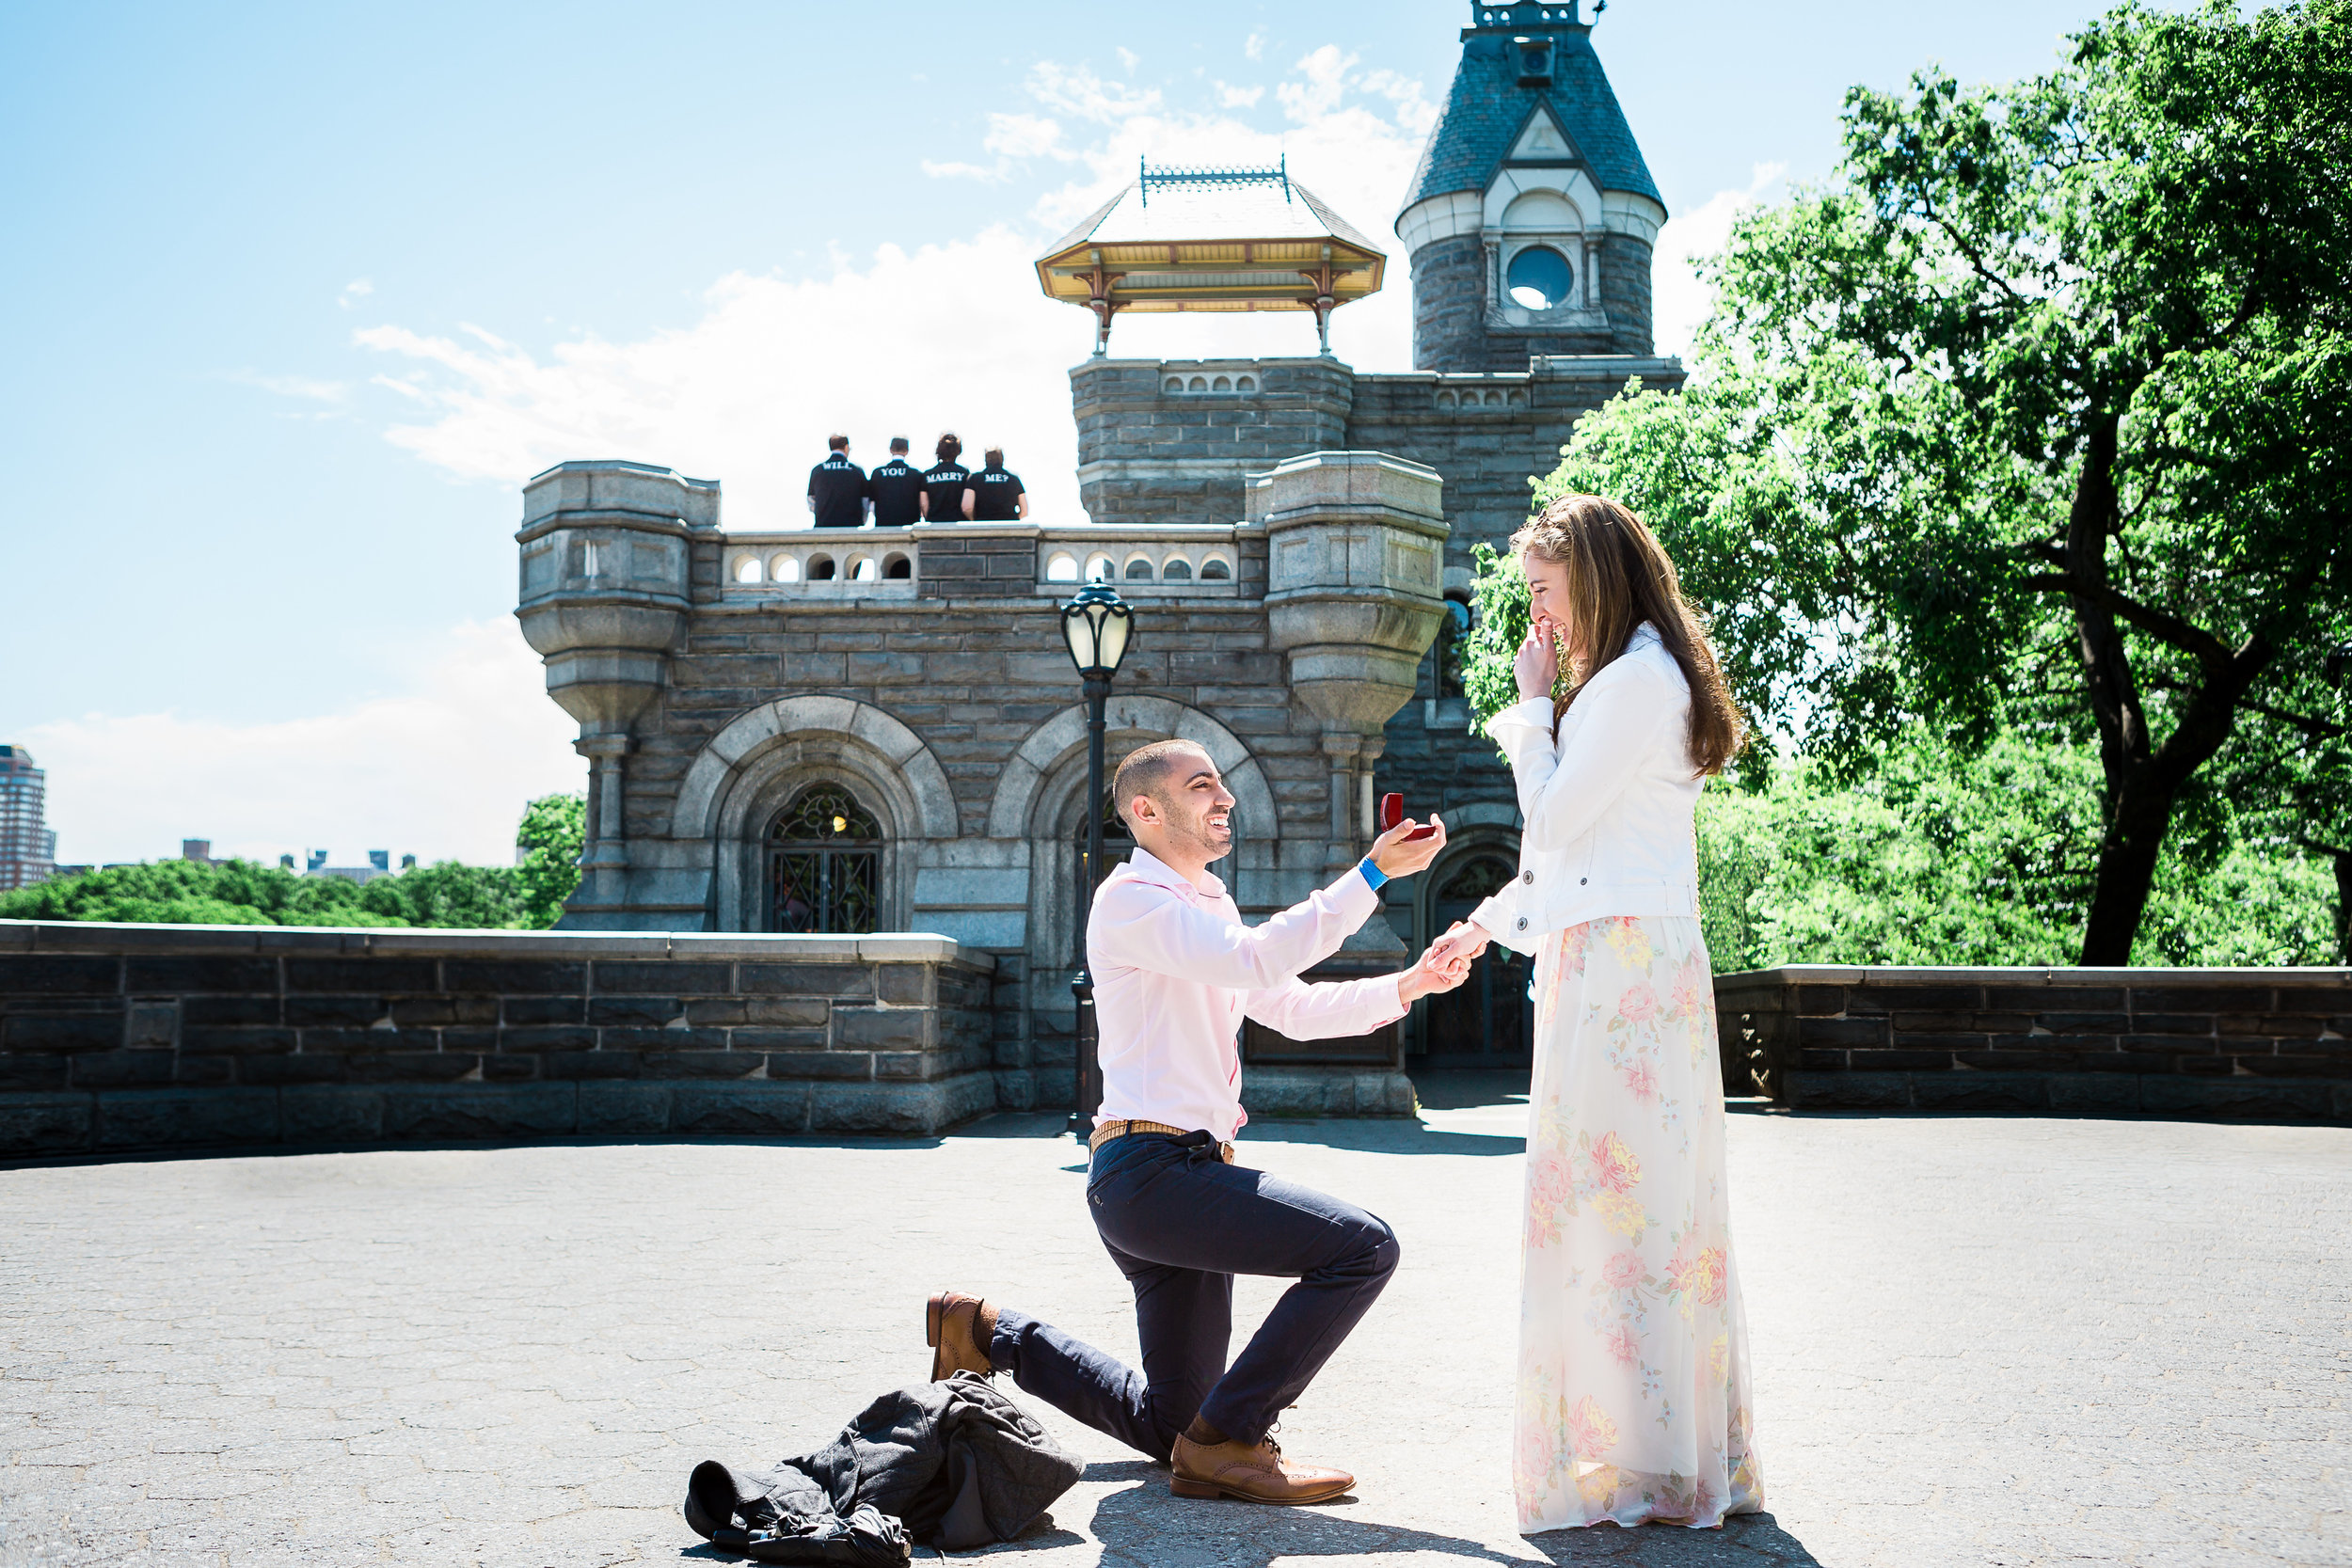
x: 117, y: 1037
x: 821, y: 565
x: 2263, y: 1044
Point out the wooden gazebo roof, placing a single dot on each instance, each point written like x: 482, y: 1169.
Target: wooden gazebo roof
x: 1212, y: 239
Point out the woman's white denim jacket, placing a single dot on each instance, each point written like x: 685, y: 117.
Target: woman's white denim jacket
x: 1608, y: 807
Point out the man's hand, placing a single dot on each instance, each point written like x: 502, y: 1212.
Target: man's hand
x: 1462, y: 944
x: 1438, y: 970
x: 1395, y: 856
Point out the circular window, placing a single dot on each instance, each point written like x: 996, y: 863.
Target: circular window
x: 1539, y: 279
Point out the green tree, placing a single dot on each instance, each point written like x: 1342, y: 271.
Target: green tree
x: 448, y: 894
x: 2037, y: 417
x: 554, y: 831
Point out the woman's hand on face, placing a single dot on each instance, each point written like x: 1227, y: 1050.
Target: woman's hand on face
x: 1537, y: 665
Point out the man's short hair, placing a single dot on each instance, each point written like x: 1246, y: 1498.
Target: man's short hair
x: 898, y: 443
x: 1144, y: 770
x: 836, y: 443
x: 993, y: 457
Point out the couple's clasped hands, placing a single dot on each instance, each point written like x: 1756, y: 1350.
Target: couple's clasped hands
x: 1447, y: 963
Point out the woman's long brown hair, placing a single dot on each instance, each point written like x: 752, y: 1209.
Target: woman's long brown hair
x: 1620, y: 576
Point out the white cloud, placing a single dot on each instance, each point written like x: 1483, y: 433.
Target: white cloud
x: 986, y: 173
x: 910, y: 342
x: 1239, y: 97
x: 1128, y: 61
x: 359, y: 288
x: 439, y: 771
x: 1254, y: 46
x: 1325, y: 73
x: 1081, y: 92
x: 308, y: 389
x: 1024, y: 137
x: 1679, y: 301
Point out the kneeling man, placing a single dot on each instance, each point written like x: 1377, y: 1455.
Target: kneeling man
x: 1175, y: 971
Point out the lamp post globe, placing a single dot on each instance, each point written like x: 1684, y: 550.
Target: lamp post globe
x: 1096, y: 626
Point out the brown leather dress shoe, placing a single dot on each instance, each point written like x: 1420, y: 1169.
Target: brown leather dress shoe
x: 1255, y: 1473
x: 958, y: 1328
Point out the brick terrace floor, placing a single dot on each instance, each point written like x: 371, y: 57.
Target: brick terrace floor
x: 1978, y: 1342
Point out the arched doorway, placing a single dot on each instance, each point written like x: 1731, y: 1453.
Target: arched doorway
x: 1487, y: 1020
x: 1118, y: 844
x: 823, y: 864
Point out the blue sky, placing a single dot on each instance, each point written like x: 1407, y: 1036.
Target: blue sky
x: 297, y: 296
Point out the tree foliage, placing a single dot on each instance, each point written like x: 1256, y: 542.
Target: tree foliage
x: 1938, y: 858
x: 554, y: 832
x: 529, y: 896
x: 2035, y: 421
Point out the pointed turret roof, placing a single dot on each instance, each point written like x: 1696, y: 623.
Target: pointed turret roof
x: 1489, y: 105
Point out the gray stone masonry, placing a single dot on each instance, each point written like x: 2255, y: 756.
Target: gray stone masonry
x: 2254, y: 1044
x: 716, y: 675
x: 1154, y: 449
x: 116, y: 1038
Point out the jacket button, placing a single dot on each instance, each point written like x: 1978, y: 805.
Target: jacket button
x: 1581, y: 880
x: 1528, y: 877
x: 1522, y: 923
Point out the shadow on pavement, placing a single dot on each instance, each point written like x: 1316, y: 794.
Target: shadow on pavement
x: 1382, y: 1136
x: 1144, y: 1524
x: 1466, y: 1088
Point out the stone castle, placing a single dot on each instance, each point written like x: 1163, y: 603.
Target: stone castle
x: 879, y: 730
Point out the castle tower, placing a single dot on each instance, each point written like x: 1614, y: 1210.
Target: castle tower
x: 1530, y: 219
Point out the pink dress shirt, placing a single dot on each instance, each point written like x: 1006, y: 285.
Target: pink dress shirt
x: 1175, y: 971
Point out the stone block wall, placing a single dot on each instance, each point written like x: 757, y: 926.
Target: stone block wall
x: 1454, y: 333
x: 2263, y: 1044
x: 1450, y: 306
x: 1150, y: 452
x: 121, y: 1038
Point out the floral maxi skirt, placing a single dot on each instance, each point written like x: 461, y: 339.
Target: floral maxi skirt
x: 1633, y: 1398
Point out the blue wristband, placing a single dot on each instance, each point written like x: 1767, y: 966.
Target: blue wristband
x: 1373, y: 874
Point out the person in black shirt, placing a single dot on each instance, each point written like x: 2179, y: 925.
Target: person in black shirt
x: 836, y: 487
x: 896, y: 488
x: 994, y: 494
x: 943, y: 482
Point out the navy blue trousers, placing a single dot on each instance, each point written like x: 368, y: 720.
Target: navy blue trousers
x: 1180, y: 1224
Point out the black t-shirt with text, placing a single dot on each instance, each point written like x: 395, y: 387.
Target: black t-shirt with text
x: 838, y: 487
x: 894, y: 487
x: 943, y: 483
x: 996, y: 491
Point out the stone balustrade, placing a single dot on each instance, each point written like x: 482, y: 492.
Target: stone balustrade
x: 826, y: 564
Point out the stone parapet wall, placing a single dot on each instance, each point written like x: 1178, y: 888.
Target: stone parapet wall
x: 116, y: 1039
x: 2264, y: 1044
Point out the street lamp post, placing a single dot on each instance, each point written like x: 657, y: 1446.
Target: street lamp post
x: 1096, y: 626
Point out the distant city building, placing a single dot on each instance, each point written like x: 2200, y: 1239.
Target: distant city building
x: 197, y: 850
x: 28, y: 851
x: 379, y: 864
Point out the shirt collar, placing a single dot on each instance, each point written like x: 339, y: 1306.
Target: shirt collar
x: 1145, y: 867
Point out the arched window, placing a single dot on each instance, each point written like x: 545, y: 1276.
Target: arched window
x: 1118, y: 844
x: 1175, y: 569
x: 1451, y: 644
x: 1486, y: 1022
x: 824, y: 863
x: 1539, y: 279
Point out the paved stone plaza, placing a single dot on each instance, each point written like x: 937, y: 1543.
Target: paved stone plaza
x: 1978, y: 1342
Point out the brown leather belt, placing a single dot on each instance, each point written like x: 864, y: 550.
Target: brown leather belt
x: 1110, y: 1130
